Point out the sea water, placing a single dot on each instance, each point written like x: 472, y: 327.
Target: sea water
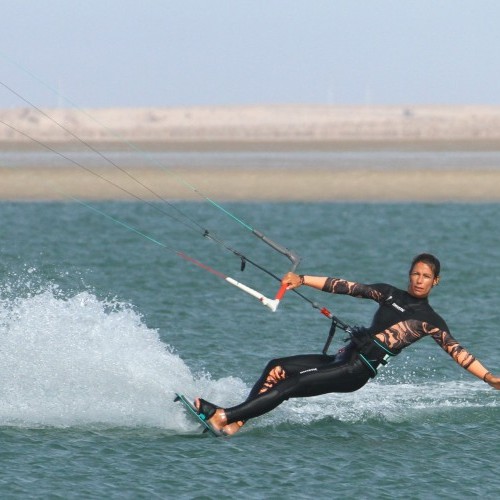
x: 99, y: 326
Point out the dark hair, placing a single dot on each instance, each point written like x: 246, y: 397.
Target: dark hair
x: 430, y: 260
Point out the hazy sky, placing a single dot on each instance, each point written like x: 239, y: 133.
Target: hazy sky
x: 106, y: 53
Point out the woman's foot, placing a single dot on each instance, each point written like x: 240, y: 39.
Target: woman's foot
x: 233, y: 428
x: 216, y: 417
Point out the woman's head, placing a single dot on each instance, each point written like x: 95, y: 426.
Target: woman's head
x: 430, y: 260
x: 424, y: 274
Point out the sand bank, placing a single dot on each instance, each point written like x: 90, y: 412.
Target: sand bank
x: 255, y: 185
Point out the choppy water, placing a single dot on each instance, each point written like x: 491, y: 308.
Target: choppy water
x: 100, y: 326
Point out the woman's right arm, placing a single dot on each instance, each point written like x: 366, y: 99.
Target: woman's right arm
x: 293, y: 280
x: 333, y: 285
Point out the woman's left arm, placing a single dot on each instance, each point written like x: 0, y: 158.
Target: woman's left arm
x: 477, y: 369
x: 492, y: 380
x: 464, y: 358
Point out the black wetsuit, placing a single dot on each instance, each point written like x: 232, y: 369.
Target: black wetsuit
x: 400, y: 320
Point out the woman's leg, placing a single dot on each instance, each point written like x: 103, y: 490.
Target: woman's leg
x: 279, y: 369
x: 275, y: 371
x: 296, y: 376
x: 305, y: 376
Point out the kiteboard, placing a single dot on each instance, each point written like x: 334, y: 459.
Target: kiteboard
x: 199, y: 417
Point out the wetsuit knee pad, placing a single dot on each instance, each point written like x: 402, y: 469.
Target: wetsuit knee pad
x: 271, y: 365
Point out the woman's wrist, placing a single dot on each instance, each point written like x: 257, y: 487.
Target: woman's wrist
x: 301, y: 277
x: 485, y: 375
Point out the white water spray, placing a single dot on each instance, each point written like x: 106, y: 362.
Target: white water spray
x: 71, y: 361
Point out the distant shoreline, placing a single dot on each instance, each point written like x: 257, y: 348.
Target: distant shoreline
x: 263, y: 129
x: 273, y: 126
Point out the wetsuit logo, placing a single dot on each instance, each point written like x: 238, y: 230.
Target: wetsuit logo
x: 393, y: 304
x: 309, y: 370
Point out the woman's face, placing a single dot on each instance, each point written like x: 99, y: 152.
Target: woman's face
x: 422, y: 280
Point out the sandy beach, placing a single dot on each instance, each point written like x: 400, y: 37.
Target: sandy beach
x: 257, y: 128
x: 312, y: 185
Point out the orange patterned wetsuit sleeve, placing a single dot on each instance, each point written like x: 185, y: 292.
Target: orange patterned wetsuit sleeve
x: 402, y: 319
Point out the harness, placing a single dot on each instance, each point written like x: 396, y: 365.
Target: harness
x: 370, y: 350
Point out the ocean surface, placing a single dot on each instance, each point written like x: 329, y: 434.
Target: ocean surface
x: 101, y: 321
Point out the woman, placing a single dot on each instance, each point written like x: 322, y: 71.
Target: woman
x: 403, y: 317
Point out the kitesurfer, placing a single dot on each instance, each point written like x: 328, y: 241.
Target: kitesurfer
x: 402, y: 318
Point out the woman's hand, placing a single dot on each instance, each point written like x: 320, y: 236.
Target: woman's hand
x: 492, y: 380
x: 292, y: 280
